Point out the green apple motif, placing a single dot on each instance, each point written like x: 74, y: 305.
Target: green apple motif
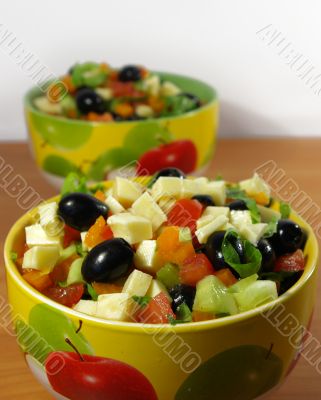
x: 240, y: 373
x: 58, y: 165
x: 47, y: 331
x: 109, y: 160
x: 145, y: 136
x: 59, y: 133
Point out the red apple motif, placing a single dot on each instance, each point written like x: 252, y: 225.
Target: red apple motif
x: 86, y: 377
x: 180, y: 154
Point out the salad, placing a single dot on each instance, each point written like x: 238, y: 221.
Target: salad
x: 167, y: 250
x: 98, y: 92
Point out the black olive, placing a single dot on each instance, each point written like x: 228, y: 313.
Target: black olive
x: 129, y: 73
x: 288, y: 237
x: 80, y: 210
x: 268, y: 255
x: 89, y: 101
x: 195, y: 99
x: 171, y: 172
x: 108, y: 261
x: 182, y: 294
x: 237, y: 205
x: 304, y: 239
x: 205, y: 199
x: 213, y: 250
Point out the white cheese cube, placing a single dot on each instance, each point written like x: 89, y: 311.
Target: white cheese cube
x: 49, y: 219
x: 132, y: 228
x: 167, y: 203
x: 115, y: 306
x: 145, y: 257
x: 105, y: 93
x: 203, y: 233
x: 157, y: 287
x: 169, y: 89
x: 191, y: 187
x: 37, y: 236
x: 152, y: 85
x: 143, y: 110
x: 167, y: 186
x: 83, y: 237
x: 217, y: 190
x: 255, y: 185
x: 126, y: 191
x: 137, y: 283
x: 114, y: 205
x: 42, y: 258
x: 267, y: 214
x: 240, y: 218
x: 210, y: 213
x: 253, y: 232
x: 88, y: 307
x: 146, y: 207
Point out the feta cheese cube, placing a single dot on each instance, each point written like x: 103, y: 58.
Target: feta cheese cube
x: 204, y: 232
x: 83, y: 237
x: 255, y: 186
x: 157, y: 287
x: 167, y: 186
x: 132, y: 228
x: 137, y: 283
x: 88, y: 307
x: 146, y: 207
x: 114, y: 206
x: 217, y: 190
x: 37, y: 236
x: 240, y: 218
x: 169, y: 89
x: 167, y: 203
x: 253, y: 232
x: 145, y: 257
x: 210, y: 213
x: 152, y: 85
x: 115, y: 306
x: 143, y: 110
x: 191, y: 187
x: 126, y: 191
x: 41, y: 258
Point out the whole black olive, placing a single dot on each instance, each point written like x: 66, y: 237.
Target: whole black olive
x: 268, y: 255
x: 129, y: 73
x: 169, y: 172
x: 80, y: 210
x: 237, y: 205
x: 205, y: 199
x: 287, y: 238
x: 108, y: 261
x: 182, y: 294
x: 88, y: 100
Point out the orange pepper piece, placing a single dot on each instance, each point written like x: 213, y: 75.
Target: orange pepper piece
x: 98, y: 233
x: 199, y: 316
x: 226, y: 276
x: 170, y: 249
x: 106, y: 288
x: 156, y: 103
x: 38, y: 280
x: 100, y: 195
x: 124, y: 110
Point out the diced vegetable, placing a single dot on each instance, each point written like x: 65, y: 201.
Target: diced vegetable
x: 168, y: 275
x: 194, y: 269
x: 157, y: 311
x: 256, y: 294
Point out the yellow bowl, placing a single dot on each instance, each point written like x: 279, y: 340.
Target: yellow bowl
x: 237, y: 357
x: 100, y: 149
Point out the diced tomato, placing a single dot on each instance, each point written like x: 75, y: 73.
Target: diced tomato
x: 61, y: 270
x: 71, y: 235
x: 106, y: 288
x: 185, y: 213
x: 225, y: 275
x: 98, y: 233
x: 38, y: 280
x: 157, y: 311
x: 194, y: 269
x: 67, y: 296
x: 202, y: 316
x: 171, y: 249
x: 290, y: 262
x: 124, y: 89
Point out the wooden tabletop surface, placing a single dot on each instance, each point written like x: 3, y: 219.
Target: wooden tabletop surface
x: 235, y: 160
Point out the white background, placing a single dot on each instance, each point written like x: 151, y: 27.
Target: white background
x: 216, y: 41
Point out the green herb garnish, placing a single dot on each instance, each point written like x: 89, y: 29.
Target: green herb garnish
x: 252, y: 256
x: 237, y: 194
x: 13, y: 256
x: 142, y: 300
x: 74, y: 183
x: 271, y: 228
x: 285, y: 210
x: 92, y: 292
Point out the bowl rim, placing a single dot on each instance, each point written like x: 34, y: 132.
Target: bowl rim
x: 134, y: 327
x: 30, y: 106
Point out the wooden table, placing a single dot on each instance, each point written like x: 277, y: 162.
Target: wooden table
x: 235, y: 159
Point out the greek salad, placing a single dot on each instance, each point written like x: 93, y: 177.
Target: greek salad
x: 169, y: 249
x: 97, y: 92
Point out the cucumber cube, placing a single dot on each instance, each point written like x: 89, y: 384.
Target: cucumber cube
x: 256, y: 294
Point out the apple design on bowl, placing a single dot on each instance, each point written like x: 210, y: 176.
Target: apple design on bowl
x: 239, y: 373
x: 84, y: 377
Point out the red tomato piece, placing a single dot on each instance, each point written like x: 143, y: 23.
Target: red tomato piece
x: 290, y: 262
x: 124, y: 89
x: 185, y: 213
x: 157, y: 311
x: 67, y: 296
x: 71, y: 235
x: 194, y: 269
